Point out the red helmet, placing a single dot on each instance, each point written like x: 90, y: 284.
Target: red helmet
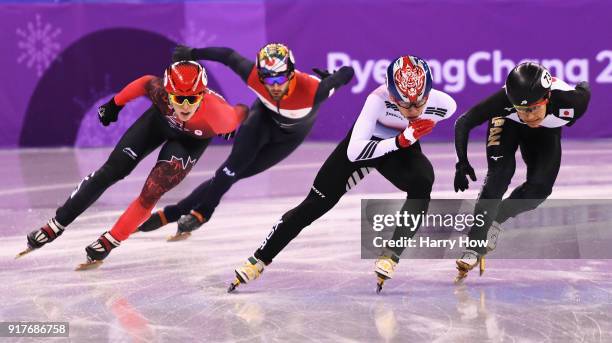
x: 185, y: 78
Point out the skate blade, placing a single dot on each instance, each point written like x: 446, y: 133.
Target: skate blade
x: 232, y: 287
x: 380, y: 281
x: 482, y: 265
x: 88, y: 265
x: 23, y: 253
x: 179, y: 236
x: 463, y: 269
x: 379, y: 284
x: 460, y: 277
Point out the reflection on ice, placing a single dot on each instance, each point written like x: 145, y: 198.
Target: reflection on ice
x: 318, y: 289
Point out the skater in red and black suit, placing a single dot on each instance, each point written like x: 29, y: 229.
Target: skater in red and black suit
x: 184, y: 116
x: 278, y: 122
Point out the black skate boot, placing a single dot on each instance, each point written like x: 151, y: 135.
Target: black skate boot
x: 155, y: 221
x: 187, y: 223
x: 98, y: 251
x: 42, y: 236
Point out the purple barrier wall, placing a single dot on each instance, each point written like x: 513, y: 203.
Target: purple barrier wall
x: 61, y: 61
x: 470, y: 46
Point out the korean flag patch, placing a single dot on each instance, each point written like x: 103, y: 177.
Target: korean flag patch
x: 567, y: 113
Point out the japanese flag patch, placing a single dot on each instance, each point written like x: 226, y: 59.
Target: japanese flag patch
x: 566, y: 113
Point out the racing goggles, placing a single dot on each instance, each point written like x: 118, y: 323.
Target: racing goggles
x: 532, y: 107
x: 408, y: 105
x: 189, y: 99
x: 271, y: 80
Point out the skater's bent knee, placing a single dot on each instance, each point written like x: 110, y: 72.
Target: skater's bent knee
x: 114, y: 171
x: 307, y: 212
x: 501, y: 176
x: 164, y: 176
x: 418, y: 187
x: 536, y: 191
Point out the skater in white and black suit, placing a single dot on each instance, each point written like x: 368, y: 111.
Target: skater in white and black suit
x: 529, y: 113
x: 384, y: 138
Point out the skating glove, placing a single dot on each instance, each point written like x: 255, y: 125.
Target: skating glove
x: 323, y: 74
x: 182, y: 53
x: 462, y: 170
x: 417, y: 129
x: 109, y: 112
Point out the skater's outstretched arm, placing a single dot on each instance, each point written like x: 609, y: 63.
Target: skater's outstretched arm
x: 224, y: 118
x: 238, y: 63
x: 148, y: 85
x: 494, y: 106
x: 331, y: 82
x: 133, y: 90
x: 109, y: 112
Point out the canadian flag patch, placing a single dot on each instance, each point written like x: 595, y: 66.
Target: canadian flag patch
x: 566, y: 112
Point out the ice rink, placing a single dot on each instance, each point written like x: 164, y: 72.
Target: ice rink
x: 318, y: 288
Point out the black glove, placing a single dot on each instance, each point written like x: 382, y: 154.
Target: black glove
x: 109, y: 112
x: 227, y: 136
x: 462, y: 170
x: 584, y: 85
x: 182, y: 53
x: 323, y: 74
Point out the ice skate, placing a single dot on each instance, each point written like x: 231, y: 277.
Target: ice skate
x: 98, y: 251
x: 384, y: 269
x: 469, y: 259
x: 493, y: 236
x: 249, y: 271
x: 42, y: 236
x: 186, y: 224
x: 155, y: 221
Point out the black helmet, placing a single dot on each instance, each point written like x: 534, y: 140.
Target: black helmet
x: 527, y: 83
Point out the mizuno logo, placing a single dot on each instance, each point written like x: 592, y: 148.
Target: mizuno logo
x: 228, y: 172
x: 495, y: 158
